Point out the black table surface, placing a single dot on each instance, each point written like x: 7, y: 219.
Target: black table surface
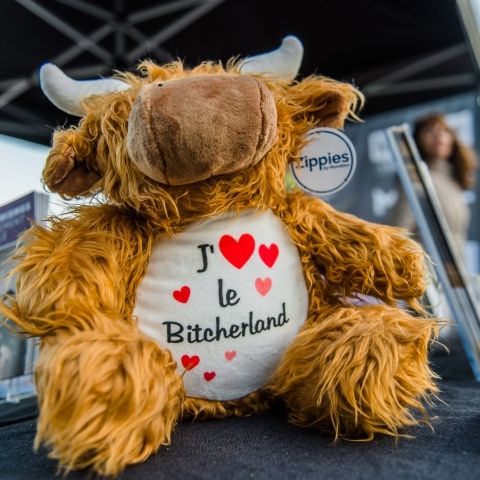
x: 267, y: 447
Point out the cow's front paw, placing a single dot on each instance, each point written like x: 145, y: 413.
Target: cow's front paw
x: 106, y: 401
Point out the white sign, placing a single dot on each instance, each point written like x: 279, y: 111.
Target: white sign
x: 383, y: 200
x: 379, y: 152
x: 327, y: 162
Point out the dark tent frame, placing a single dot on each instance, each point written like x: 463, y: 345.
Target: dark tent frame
x: 381, y: 46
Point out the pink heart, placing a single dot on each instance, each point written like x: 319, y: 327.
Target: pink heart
x: 263, y: 286
x: 230, y: 355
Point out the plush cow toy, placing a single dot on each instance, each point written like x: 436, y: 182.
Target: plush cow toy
x: 198, y: 286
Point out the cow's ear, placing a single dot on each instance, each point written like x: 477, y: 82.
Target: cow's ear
x: 69, y: 169
x: 325, y: 102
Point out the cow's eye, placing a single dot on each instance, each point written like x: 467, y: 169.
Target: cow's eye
x: 160, y: 84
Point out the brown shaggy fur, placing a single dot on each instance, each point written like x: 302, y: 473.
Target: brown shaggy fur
x: 108, y: 395
x: 358, y: 371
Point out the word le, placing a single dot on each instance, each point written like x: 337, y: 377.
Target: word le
x: 226, y: 298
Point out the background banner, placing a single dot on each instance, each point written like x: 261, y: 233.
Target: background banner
x: 374, y: 189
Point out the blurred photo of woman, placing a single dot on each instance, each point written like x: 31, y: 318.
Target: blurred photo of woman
x: 452, y: 167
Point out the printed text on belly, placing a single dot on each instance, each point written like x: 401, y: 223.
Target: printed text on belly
x: 237, y: 252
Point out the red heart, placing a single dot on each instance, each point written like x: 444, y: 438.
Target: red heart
x: 209, y: 376
x: 263, y: 286
x: 230, y: 355
x: 182, y: 295
x: 268, y: 254
x: 190, y: 362
x: 237, y: 252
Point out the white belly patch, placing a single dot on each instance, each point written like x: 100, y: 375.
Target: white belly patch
x: 226, y: 297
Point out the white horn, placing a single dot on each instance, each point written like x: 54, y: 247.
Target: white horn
x: 283, y: 63
x: 67, y: 94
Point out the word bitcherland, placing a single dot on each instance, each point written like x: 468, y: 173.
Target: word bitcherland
x: 178, y: 333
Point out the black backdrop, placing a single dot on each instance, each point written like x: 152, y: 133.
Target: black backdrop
x: 358, y: 41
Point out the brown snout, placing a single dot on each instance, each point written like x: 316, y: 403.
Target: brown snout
x: 190, y: 129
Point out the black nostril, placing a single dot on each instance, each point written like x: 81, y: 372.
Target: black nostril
x: 160, y: 84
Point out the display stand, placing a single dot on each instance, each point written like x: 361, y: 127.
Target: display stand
x: 17, y: 355
x: 436, y: 238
